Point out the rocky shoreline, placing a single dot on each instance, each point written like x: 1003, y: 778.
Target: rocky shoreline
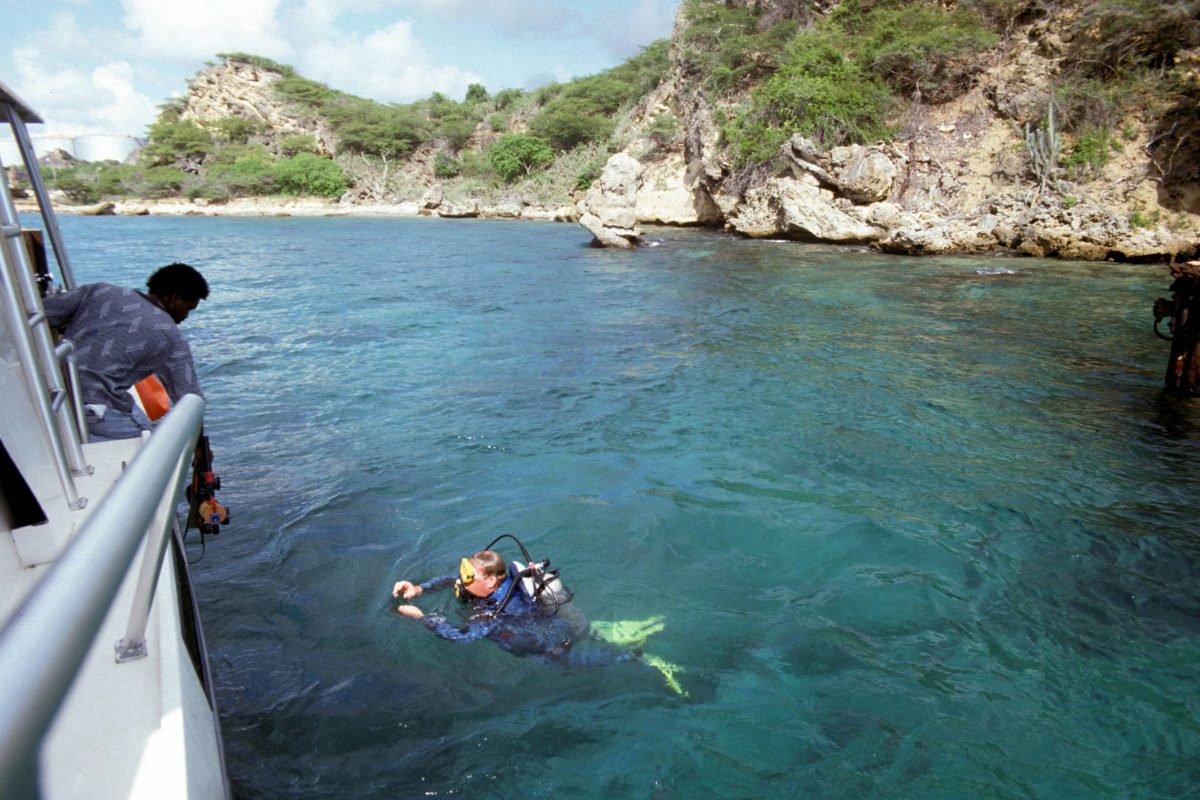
x: 304, y: 207
x: 905, y: 203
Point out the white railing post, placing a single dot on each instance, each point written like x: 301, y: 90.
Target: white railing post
x: 133, y: 645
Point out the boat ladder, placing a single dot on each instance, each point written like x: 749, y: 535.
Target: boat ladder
x: 57, y: 399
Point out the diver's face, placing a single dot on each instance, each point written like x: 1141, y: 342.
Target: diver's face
x: 483, y: 585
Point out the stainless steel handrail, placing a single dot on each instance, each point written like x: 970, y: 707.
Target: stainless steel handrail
x: 65, y: 351
x: 35, y: 344
x: 23, y: 307
x: 25, y: 145
x: 46, y: 640
x: 13, y: 307
x: 133, y: 645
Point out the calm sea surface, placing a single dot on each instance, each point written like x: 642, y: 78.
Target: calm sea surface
x: 917, y: 528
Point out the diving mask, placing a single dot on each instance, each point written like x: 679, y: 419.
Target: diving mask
x: 466, y: 576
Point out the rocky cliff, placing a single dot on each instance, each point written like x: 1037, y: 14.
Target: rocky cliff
x: 956, y: 179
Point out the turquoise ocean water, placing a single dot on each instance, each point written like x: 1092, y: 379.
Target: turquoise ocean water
x: 919, y: 528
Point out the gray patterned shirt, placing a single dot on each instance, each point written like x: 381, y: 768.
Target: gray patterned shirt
x: 120, y: 337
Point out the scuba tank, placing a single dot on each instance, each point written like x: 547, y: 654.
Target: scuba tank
x: 535, y: 579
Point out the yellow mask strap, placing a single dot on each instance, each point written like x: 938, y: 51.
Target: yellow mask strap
x: 466, y: 572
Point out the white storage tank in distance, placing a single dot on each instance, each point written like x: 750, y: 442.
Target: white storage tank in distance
x: 104, y: 147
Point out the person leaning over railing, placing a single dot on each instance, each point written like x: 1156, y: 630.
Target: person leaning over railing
x: 123, y: 335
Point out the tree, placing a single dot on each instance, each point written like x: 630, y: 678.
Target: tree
x: 172, y: 139
x: 476, y: 93
x: 567, y: 122
x: 456, y: 128
x: 516, y: 154
x: 238, y: 130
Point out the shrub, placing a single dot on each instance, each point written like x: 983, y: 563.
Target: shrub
x: 726, y: 46
x: 455, y: 128
x: 78, y: 183
x: 1090, y: 153
x: 568, y: 122
x: 498, y: 121
x: 923, y: 51
x: 1002, y: 15
x: 589, y: 174
x: 172, y: 139
x: 477, y: 166
x: 112, y: 178
x: 1087, y: 103
x: 476, y: 94
x: 517, y: 154
x: 578, y: 112
x: 162, y: 181
x: 1115, y: 37
x: 506, y: 98
x: 299, y: 143
x: 238, y: 130
x: 1139, y: 220
x: 307, y: 174
x: 303, y: 90
x: 445, y: 165
x: 563, y: 176
x: 818, y: 92
x: 258, y: 61
x: 663, y: 128
x: 372, y: 129
x: 250, y: 173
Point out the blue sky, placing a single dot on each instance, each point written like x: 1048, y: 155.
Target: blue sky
x: 104, y: 66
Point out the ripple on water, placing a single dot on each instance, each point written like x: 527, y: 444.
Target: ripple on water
x: 912, y: 531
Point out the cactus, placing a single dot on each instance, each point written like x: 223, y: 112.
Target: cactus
x: 1044, y: 148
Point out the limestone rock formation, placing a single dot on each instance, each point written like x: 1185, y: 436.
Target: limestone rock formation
x: 797, y: 209
x: 243, y: 91
x: 609, y: 209
x: 958, y: 178
x: 665, y: 198
x: 865, y: 175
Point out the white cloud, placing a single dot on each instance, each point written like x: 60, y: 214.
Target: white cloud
x: 126, y: 109
x: 184, y: 29
x: 628, y: 33
x: 95, y: 64
x: 389, y: 64
x: 103, y: 99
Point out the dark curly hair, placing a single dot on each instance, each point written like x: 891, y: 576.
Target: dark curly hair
x: 181, y: 279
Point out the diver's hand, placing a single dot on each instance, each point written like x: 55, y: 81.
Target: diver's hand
x: 406, y: 589
x: 412, y: 612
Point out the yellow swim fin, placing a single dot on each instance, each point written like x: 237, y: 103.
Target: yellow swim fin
x: 634, y: 633
x: 628, y: 632
x: 668, y: 671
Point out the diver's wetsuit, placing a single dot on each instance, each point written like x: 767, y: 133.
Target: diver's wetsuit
x: 525, y: 627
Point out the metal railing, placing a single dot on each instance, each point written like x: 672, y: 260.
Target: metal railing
x: 22, y: 304
x: 18, y: 114
x: 46, y: 640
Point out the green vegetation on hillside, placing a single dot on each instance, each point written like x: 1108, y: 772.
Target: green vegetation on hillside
x: 841, y: 80
x: 582, y: 111
x: 849, y: 76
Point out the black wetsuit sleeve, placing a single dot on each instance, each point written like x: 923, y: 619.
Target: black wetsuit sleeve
x: 437, y: 584
x: 473, y: 630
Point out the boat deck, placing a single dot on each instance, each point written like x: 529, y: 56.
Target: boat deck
x: 121, y: 730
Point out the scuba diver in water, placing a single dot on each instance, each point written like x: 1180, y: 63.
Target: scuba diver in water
x: 527, y: 610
